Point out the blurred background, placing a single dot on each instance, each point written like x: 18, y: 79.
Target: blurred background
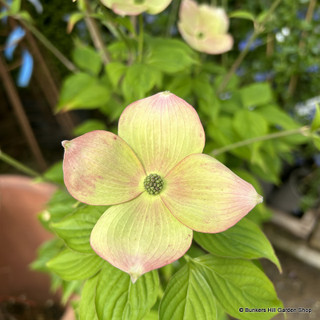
x: 57, y: 82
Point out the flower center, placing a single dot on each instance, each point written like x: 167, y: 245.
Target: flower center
x: 153, y: 184
x: 200, y: 35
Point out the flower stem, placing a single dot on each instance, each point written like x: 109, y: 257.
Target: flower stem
x: 258, y: 29
x: 141, y: 38
x: 303, y: 130
x: 19, y: 166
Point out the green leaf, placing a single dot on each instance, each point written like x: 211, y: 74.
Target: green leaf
x: 59, y: 206
x: 249, y: 124
x: 316, y: 120
x: 70, y: 288
x: 139, y: 80
x: 118, y: 298
x: 87, y: 59
x: 15, y: 6
x: 241, y: 14
x: 126, y: 22
x: 208, y: 102
x: 188, y: 296
x: 262, y: 16
x: 180, y: 85
x: 82, y: 91
x: 25, y: 15
x: 256, y: 94
x: 89, y: 125
x: 275, y: 116
x: 269, y: 172
x: 72, y: 265
x: 46, y: 252
x: 316, y: 141
x: 75, y: 229
x: 169, y: 55
x: 115, y: 70
x: 238, y: 284
x: 232, y: 84
x: 73, y: 19
x: 244, y: 240
x: 119, y: 49
x: 87, y: 309
x: 54, y: 173
x: 152, y: 315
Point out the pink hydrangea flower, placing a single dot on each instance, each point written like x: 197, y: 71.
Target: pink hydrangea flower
x: 204, y: 27
x: 158, y: 183
x: 135, y: 7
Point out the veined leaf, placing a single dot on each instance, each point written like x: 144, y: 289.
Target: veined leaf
x: 82, y: 91
x: 75, y: 229
x: 244, y: 240
x: 87, y: 310
x: 256, y: 94
x: 87, y: 59
x: 139, y: 80
x: 188, y: 296
x: 117, y: 298
x: 169, y: 55
x: 274, y: 115
x: 72, y: 265
x: 45, y: 253
x: 238, y: 284
x: 115, y: 70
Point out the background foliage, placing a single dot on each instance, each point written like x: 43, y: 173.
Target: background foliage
x: 243, y: 108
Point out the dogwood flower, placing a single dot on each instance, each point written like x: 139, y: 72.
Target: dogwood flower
x: 160, y: 185
x: 204, y: 27
x: 135, y: 7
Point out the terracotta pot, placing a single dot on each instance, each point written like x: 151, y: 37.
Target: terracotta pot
x: 20, y: 235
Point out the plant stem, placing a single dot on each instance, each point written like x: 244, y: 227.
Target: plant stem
x: 303, y: 130
x: 294, y: 78
x: 172, y: 17
x: 258, y: 29
x: 19, y: 166
x: 22, y: 118
x: 96, y: 35
x: 141, y: 38
x: 57, y: 53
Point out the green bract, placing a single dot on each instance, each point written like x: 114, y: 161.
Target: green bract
x: 160, y: 184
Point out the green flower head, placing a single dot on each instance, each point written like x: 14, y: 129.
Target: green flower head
x: 160, y: 185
